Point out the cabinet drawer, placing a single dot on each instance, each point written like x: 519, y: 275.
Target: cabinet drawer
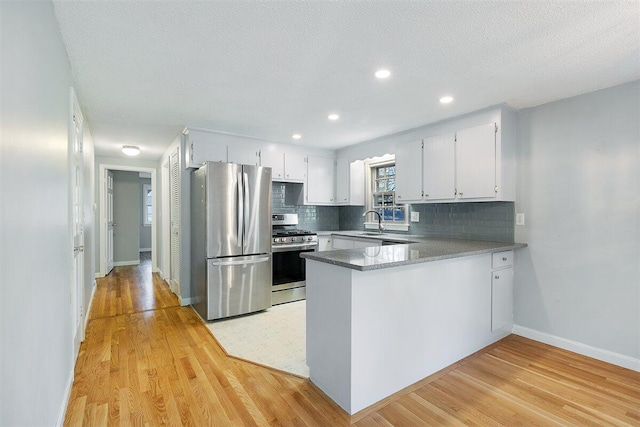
x: 502, y: 259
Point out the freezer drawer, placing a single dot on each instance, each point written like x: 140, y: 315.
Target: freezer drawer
x: 238, y: 285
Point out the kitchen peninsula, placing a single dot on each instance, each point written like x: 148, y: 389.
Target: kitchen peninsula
x: 381, y: 318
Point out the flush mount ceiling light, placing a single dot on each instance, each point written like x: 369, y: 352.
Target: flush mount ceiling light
x: 296, y: 136
x: 446, y: 99
x: 382, y: 74
x: 333, y: 117
x: 130, y: 150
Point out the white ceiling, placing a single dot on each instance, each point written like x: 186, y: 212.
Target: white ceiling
x: 268, y: 69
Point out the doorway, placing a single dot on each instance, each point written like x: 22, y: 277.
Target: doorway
x: 120, y: 242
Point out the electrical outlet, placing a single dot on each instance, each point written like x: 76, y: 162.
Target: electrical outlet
x: 520, y: 219
x: 415, y: 216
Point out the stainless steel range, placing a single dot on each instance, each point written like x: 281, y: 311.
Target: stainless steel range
x: 289, y: 272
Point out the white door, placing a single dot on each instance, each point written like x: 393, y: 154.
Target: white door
x: 174, y: 169
x: 77, y: 214
x: 109, y: 192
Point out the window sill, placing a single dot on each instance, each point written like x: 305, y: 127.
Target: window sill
x: 388, y: 226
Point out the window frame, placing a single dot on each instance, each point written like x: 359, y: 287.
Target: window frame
x: 146, y: 205
x: 371, y: 179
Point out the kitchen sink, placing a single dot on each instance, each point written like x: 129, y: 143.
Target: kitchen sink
x: 371, y: 233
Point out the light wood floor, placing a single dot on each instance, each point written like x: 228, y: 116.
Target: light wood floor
x: 147, y: 361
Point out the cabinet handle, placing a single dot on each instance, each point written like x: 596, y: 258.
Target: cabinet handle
x: 497, y: 277
x: 461, y: 193
x: 504, y: 258
x: 426, y: 195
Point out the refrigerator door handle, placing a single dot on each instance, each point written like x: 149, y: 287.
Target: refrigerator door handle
x: 239, y: 261
x: 240, y: 208
x: 247, y: 216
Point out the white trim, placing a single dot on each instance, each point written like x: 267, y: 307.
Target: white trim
x: 99, y: 275
x: 387, y: 226
x: 144, y: 250
x: 578, y: 347
x: 124, y: 263
x: 184, y: 301
x: 65, y: 400
x: 102, y: 261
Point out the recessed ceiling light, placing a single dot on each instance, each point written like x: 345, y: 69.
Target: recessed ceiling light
x: 333, y: 117
x: 130, y: 150
x: 382, y: 74
x: 296, y: 136
x: 446, y: 99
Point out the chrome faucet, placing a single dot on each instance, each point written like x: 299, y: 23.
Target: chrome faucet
x: 380, y: 223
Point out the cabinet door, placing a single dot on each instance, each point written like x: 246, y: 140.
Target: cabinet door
x: 342, y: 243
x: 199, y: 152
x: 476, y: 162
x: 324, y: 243
x: 274, y: 160
x: 342, y: 181
x: 320, y: 180
x: 295, y: 167
x: 241, y: 154
x: 501, y: 298
x: 438, y: 159
x: 409, y: 172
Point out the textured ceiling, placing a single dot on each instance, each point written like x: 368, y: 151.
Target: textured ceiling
x: 268, y: 69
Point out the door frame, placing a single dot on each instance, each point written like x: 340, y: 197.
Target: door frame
x: 103, y: 213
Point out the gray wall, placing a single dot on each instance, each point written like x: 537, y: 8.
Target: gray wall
x: 126, y: 214
x: 36, y: 364
x: 145, y: 230
x: 578, y: 184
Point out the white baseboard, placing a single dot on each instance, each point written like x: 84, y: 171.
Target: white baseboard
x: 123, y: 263
x: 580, y: 348
x: 65, y: 400
x: 184, y: 301
x: 88, y: 313
x: 145, y: 249
x: 99, y: 275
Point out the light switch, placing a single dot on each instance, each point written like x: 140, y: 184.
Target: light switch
x: 520, y: 219
x: 415, y: 216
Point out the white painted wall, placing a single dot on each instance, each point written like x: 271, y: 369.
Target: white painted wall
x: 36, y: 357
x: 579, y: 186
x: 126, y: 218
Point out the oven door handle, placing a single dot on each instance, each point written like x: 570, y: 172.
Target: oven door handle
x: 285, y: 248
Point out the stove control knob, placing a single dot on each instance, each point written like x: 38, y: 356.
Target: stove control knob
x: 275, y: 240
x: 293, y: 239
x: 309, y: 238
x: 282, y: 239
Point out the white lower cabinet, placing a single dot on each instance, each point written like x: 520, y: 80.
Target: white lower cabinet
x: 324, y: 243
x: 502, y: 290
x: 343, y: 242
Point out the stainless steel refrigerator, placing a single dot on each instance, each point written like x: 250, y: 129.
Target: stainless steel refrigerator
x: 230, y: 239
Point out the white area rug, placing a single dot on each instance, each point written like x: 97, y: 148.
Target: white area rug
x: 274, y: 338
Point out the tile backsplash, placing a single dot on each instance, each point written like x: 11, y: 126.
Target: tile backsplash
x: 477, y: 220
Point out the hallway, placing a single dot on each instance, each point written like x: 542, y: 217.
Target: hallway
x: 148, y: 361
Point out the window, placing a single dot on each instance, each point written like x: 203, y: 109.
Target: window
x: 382, y: 195
x: 147, y: 210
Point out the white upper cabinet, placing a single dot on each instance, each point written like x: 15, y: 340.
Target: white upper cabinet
x: 321, y: 175
x: 295, y: 167
x: 197, y: 152
x: 409, y: 172
x: 471, y: 164
x: 273, y: 159
x: 242, y: 155
x: 476, y: 162
x: 439, y: 172
x: 349, y: 182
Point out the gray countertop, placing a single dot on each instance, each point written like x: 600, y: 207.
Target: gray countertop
x: 402, y: 253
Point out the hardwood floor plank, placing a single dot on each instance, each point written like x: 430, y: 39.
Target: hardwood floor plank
x: 148, y: 361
